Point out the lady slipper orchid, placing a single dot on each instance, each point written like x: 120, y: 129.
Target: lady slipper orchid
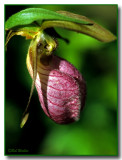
x: 60, y: 86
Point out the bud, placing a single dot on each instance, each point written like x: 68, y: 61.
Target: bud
x: 60, y: 86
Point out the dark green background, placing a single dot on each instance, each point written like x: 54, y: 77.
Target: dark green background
x: 96, y: 131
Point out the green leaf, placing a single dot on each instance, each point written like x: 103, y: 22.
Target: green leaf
x: 31, y: 20
x: 96, y: 31
x: 38, y: 15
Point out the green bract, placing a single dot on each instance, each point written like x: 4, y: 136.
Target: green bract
x: 38, y: 15
x: 30, y: 21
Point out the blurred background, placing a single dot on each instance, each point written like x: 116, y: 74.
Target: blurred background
x: 96, y: 133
